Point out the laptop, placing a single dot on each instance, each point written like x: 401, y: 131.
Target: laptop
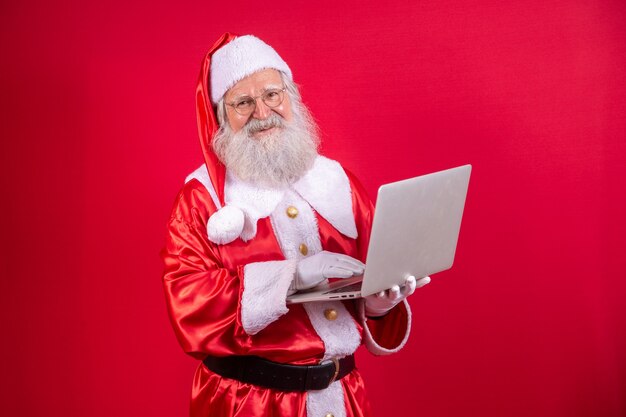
x: 415, y: 231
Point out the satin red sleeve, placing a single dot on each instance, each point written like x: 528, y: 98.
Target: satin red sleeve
x: 202, y: 296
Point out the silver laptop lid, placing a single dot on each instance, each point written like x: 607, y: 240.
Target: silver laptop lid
x: 416, y: 228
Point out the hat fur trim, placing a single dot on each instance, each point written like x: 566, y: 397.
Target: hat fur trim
x: 239, y: 58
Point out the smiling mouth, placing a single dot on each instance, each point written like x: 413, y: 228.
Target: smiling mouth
x: 264, y: 132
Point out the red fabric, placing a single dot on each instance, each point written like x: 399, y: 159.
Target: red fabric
x: 207, y: 123
x: 390, y: 331
x: 203, y: 285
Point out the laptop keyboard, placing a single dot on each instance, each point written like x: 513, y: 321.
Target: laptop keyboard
x: 352, y: 287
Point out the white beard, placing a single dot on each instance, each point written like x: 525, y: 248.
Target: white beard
x: 276, y: 159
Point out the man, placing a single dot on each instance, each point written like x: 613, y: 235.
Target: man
x: 266, y: 216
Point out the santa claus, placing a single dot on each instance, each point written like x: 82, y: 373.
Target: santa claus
x: 263, y: 217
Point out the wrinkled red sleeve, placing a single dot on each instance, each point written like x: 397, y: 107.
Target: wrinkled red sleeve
x: 202, y: 296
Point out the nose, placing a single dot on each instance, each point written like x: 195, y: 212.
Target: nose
x: 261, y: 110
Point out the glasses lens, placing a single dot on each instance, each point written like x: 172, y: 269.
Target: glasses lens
x: 273, y: 97
x: 244, y: 106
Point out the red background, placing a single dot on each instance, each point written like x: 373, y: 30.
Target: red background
x: 98, y: 132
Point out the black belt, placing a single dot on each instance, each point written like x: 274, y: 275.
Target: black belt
x: 279, y: 376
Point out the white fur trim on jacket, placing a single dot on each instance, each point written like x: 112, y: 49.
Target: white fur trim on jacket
x: 327, y: 401
x: 340, y: 336
x: 291, y: 232
x: 255, y: 202
x: 368, y: 339
x: 263, y: 299
x: 239, y: 58
x: 327, y: 188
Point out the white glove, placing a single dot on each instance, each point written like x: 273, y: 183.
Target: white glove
x: 379, y: 304
x: 316, y: 268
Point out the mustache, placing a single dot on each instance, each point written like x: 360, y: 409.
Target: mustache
x: 256, y: 125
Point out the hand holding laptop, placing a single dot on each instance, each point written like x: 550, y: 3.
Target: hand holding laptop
x: 414, y: 232
x: 379, y: 304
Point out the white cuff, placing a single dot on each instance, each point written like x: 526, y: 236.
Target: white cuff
x: 265, y: 286
x: 371, y: 344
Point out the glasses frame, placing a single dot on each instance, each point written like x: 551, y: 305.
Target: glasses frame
x: 260, y: 96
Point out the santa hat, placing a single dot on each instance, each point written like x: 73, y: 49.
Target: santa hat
x: 229, y: 60
x: 243, y: 56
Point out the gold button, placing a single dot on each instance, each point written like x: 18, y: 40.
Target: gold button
x: 303, y: 249
x: 292, y: 212
x: 330, y: 314
x: 329, y: 415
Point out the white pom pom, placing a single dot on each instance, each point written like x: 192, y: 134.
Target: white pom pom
x: 225, y: 225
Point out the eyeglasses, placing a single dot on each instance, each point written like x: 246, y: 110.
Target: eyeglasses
x: 246, y: 105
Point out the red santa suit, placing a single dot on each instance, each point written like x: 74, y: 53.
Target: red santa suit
x: 226, y: 292
x: 230, y: 299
